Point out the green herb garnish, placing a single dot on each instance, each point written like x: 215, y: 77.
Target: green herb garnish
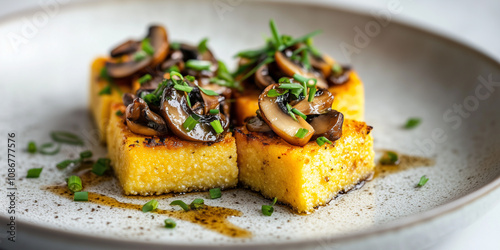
x: 147, y: 47
x: 140, y: 55
x: 119, y: 113
x: 184, y: 88
x: 322, y: 140
x: 412, y: 123
x: 202, y: 46
x: 215, y: 193
x: 296, y: 111
x: 301, y: 133
x: 181, y: 204
x: 191, y: 122
x: 45, y: 148
x: 64, y: 164
x: 337, y: 69
x: 274, y: 93
x: 106, y: 90
x: 214, y: 111
x: 217, y: 126
x: 34, y: 172
x: 75, y: 184
x: 101, y: 166
x: 198, y: 65
x: 85, y: 154
x: 197, y: 204
x: 268, y: 210
x: 422, y: 181
x: 389, y: 158
x: 169, y: 223
x: 175, y: 46
x: 31, y: 147
x: 150, y: 206
x: 145, y: 78
x: 289, y: 109
x: 66, y: 137
x: 208, y: 92
x: 81, y: 196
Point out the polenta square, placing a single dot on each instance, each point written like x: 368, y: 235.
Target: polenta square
x: 102, y: 95
x: 147, y: 165
x: 309, y: 176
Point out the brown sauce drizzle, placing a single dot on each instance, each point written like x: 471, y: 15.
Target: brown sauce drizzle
x: 405, y: 162
x: 209, y: 217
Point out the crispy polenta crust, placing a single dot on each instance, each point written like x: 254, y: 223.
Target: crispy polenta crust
x: 349, y: 100
x: 309, y: 176
x: 100, y: 105
x: 153, y: 165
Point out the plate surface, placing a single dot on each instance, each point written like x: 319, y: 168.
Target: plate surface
x: 407, y: 73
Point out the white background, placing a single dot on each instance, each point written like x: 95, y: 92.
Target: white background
x: 476, y: 23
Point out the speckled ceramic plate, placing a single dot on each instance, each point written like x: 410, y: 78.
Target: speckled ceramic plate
x: 407, y: 73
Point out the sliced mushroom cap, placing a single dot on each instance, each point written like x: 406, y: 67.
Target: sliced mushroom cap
x: 175, y: 111
x: 340, y: 78
x: 321, y: 103
x: 323, y: 64
x: 328, y: 125
x: 256, y: 124
x: 279, y: 121
x: 141, y: 120
x: 262, y: 77
x: 157, y: 37
x: 291, y: 68
x: 125, y: 48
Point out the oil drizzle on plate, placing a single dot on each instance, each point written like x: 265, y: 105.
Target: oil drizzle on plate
x: 209, y: 217
x: 405, y: 162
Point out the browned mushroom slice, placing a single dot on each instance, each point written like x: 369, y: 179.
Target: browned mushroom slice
x: 328, y: 125
x: 291, y: 68
x: 141, y: 120
x: 125, y: 48
x: 272, y: 110
x: 340, y: 77
x: 175, y: 111
x: 321, y: 103
x: 262, y: 77
x: 128, y: 99
x: 323, y: 64
x: 157, y: 36
x: 256, y: 124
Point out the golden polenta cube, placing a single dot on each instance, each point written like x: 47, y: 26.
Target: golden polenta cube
x: 100, y: 104
x: 148, y: 165
x: 349, y: 100
x: 309, y: 176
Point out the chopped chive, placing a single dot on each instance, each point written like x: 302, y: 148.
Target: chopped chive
x: 312, y: 92
x: 251, y: 72
x: 186, y: 89
x: 198, y: 65
x: 85, y: 154
x: 173, y: 68
x: 208, y: 92
x: 190, y: 78
x: 268, y: 210
x: 75, y: 184
x: 289, y: 109
x: 104, y: 74
x: 145, y: 78
x: 197, y: 204
x: 422, y: 181
x: 214, y: 111
x: 412, y: 123
x: 150, y: 206
x: 284, y: 80
x: 217, y: 126
x: 119, y: 113
x: 175, y: 46
x: 191, y: 122
x: 151, y: 99
x: 140, y: 55
x: 322, y: 140
x: 31, y: 147
x: 169, y: 223
x: 291, y: 86
x: 176, y: 73
x: 181, y: 204
x: 251, y: 53
x: 34, y: 172
x: 202, y: 46
x: 64, y: 164
x: 215, y: 193
x: 337, y: 69
x: 188, y: 100
x: 45, y: 149
x: 223, y: 72
x: 147, y: 47
x: 389, y: 158
x: 276, y: 35
x: 296, y: 111
x: 303, y: 38
x: 274, y: 93
x: 81, y: 196
x: 101, y: 166
x: 66, y: 137
x: 301, y: 133
x: 106, y: 90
